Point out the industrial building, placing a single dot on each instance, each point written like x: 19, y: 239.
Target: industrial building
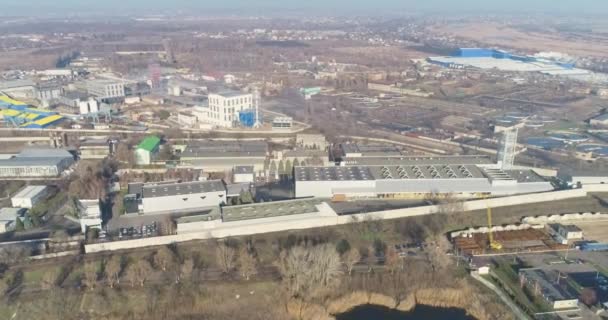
x: 549, y: 285
x: 601, y: 120
x: 583, y: 177
x: 106, y: 88
x: 46, y: 91
x: 565, y: 234
x: 222, y: 156
x: 8, y: 218
x: 89, y: 214
x: 39, y: 162
x: 356, y: 150
x: 305, y: 157
x: 22, y: 88
x: 175, y: 197
x: 281, y: 123
x: 414, y: 181
x: 147, y: 150
x: 489, y: 59
x: 234, y: 215
x: 95, y: 148
x: 417, y: 160
x: 224, y: 107
x: 241, y: 174
x: 18, y: 114
x: 311, y: 141
x: 29, y: 196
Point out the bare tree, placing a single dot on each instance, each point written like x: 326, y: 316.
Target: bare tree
x: 392, y: 260
x: 438, y: 255
x: 351, y: 258
x: 370, y: 259
x: 307, y: 271
x: 90, y: 275
x: 226, y: 257
x: 139, y: 272
x: 112, y: 269
x: 449, y: 204
x: 185, y: 270
x: 247, y: 264
x: 164, y: 258
x: 49, y: 280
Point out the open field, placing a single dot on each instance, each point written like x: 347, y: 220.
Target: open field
x: 594, y: 230
x: 509, y: 37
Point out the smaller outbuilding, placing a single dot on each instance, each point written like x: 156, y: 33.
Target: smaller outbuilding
x: 8, y: 218
x: 241, y: 174
x: 147, y: 150
x: 29, y: 196
x: 89, y: 214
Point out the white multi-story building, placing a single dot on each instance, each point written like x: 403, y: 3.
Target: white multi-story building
x: 224, y: 107
x: 106, y: 88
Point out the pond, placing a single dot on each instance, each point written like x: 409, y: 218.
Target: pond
x: 421, y: 312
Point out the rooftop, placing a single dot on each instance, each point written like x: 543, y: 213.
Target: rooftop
x: 231, y: 93
x: 31, y: 162
x: 30, y: 191
x: 75, y: 95
x: 178, y: 188
x: 370, y: 149
x: 601, y: 117
x: 417, y: 160
x: 570, y: 228
x: 270, y: 209
x: 388, y: 172
x: 523, y: 176
x: 149, y: 143
x: 44, y: 153
x: 10, y: 214
x: 218, y: 149
x: 243, y: 170
x: 547, y: 281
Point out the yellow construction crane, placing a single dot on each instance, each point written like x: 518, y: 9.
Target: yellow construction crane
x: 495, y: 245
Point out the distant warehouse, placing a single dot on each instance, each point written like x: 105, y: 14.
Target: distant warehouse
x: 39, y: 162
x: 172, y: 197
x: 222, y: 156
x: 414, y: 181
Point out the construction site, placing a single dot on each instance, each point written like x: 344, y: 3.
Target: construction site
x: 512, y: 239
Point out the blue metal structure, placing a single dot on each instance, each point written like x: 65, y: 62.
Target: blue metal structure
x: 594, y: 247
x: 247, y: 118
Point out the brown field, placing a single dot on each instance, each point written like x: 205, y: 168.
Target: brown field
x: 506, y: 36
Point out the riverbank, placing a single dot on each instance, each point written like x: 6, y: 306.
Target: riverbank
x: 465, y: 298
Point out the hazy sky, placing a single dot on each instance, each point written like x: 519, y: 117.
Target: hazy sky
x: 326, y: 7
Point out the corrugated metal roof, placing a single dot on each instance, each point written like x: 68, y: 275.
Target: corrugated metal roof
x: 173, y: 189
x: 30, y: 191
x: 149, y: 143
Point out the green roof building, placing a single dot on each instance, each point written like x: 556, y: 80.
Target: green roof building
x: 147, y: 150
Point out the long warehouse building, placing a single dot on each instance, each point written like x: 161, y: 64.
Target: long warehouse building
x: 414, y: 181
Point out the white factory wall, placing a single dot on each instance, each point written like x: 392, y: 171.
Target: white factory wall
x: 323, y: 219
x: 243, y: 177
x: 590, y: 179
x: 142, y: 157
x: 324, y: 189
x: 183, y: 202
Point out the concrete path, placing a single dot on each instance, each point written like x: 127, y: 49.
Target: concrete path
x: 516, y: 311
